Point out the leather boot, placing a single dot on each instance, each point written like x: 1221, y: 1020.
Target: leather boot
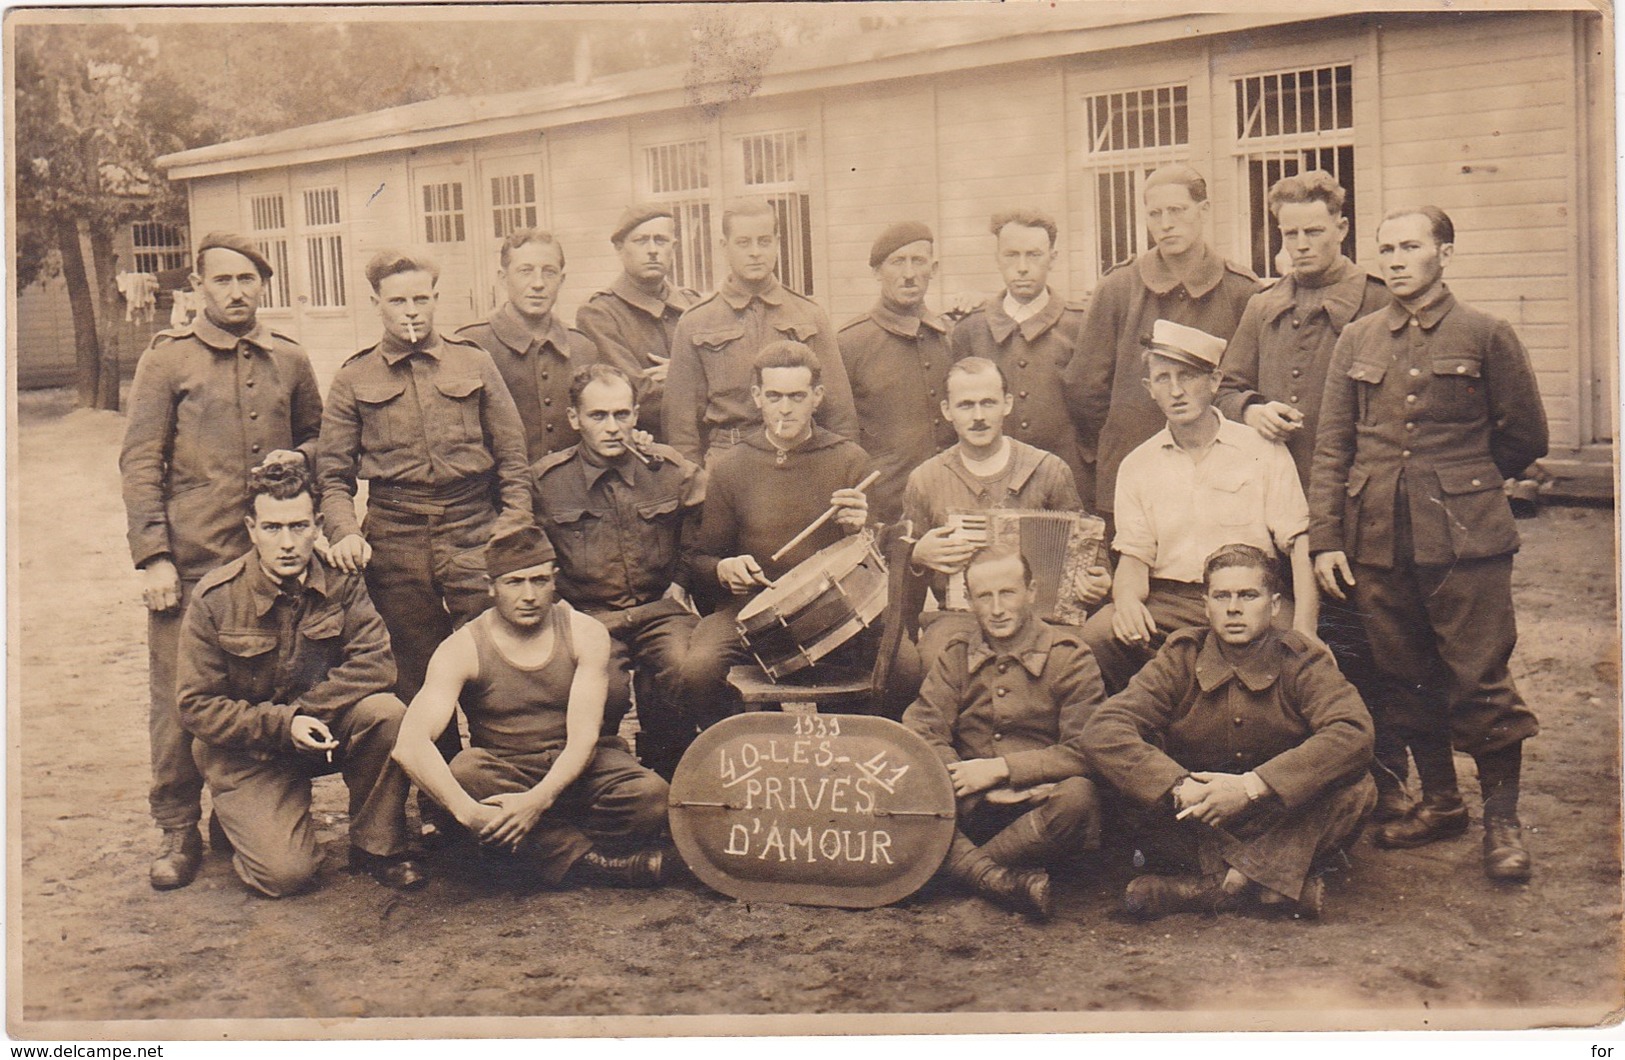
x: 1505, y: 856
x: 1393, y: 801
x: 1150, y: 897
x: 178, y: 859
x: 645, y: 868
x: 1436, y: 817
x: 1021, y: 890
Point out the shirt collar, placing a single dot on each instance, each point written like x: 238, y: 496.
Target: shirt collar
x: 905, y: 325
x: 591, y: 471
x: 1160, y: 279
x: 653, y: 304
x: 1257, y: 667
x: 519, y: 335
x: 739, y: 298
x: 1226, y: 435
x: 264, y: 590
x: 1002, y: 324
x: 395, y: 351
x: 1429, y: 315
x: 1032, y: 652
x: 217, y: 337
x: 1341, y: 299
x: 1020, y: 312
x: 1024, y: 460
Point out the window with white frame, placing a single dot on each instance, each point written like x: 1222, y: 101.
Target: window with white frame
x: 268, y: 221
x: 158, y: 246
x: 1130, y: 134
x: 324, y: 247
x: 1286, y: 123
x: 513, y: 204
x: 678, y: 176
x: 443, y: 214
x: 774, y: 166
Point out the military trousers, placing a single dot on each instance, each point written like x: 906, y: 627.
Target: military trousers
x: 175, y: 795
x: 615, y: 804
x: 647, y: 646
x: 1057, y: 826
x: 263, y: 800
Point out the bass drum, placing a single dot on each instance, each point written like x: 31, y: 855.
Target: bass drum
x: 816, y: 607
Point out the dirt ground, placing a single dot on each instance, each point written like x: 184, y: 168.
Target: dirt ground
x: 1406, y: 933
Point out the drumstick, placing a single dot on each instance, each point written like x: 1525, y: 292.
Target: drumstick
x: 868, y: 480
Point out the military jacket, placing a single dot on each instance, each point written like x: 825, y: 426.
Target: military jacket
x: 206, y: 407
x: 537, y: 373
x: 633, y: 330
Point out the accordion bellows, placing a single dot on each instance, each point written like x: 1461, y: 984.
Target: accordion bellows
x: 1059, y: 547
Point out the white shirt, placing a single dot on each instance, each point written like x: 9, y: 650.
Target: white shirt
x: 1172, y: 512
x: 1018, y: 312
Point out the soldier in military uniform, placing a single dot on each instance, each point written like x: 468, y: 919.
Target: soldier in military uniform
x: 708, y: 402
x: 1031, y: 332
x: 632, y: 321
x: 284, y: 675
x: 1430, y: 404
x: 1181, y: 279
x: 1274, y: 375
x: 897, y: 361
x: 210, y: 401
x: 529, y: 344
x: 428, y: 421
x: 622, y: 526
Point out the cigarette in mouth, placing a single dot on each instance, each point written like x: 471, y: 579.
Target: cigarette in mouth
x: 412, y: 336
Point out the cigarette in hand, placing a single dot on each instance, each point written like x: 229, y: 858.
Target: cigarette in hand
x: 329, y: 756
x: 1180, y: 816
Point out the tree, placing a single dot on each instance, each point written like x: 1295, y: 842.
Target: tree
x: 89, y: 122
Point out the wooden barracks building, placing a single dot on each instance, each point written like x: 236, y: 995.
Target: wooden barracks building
x: 1503, y: 118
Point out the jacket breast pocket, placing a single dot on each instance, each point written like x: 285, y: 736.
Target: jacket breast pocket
x: 1456, y: 389
x: 461, y: 396
x: 1371, y: 374
x: 383, y: 419
x: 319, y: 646
x: 250, y: 663
x: 1476, y: 510
x: 662, y: 522
x: 716, y: 340
x: 797, y: 330
x: 577, y: 533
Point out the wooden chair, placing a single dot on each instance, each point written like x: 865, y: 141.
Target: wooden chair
x: 830, y: 686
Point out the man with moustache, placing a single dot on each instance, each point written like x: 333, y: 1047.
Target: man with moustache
x: 539, y: 787
x: 1182, y: 280
x: 536, y: 354
x: 1004, y: 706
x: 708, y: 383
x: 1243, y: 751
x: 1430, y: 405
x: 897, y: 361
x: 760, y: 494
x: 622, y: 526
x: 1199, y: 483
x: 210, y: 401
x: 429, y: 423
x: 1274, y: 375
x: 284, y: 675
x: 986, y: 469
x: 1033, y: 334
x: 632, y: 321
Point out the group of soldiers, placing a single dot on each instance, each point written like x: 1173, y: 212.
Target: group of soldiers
x: 1308, y: 585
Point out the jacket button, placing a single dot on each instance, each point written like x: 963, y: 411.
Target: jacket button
x: 1293, y: 399
x: 1461, y: 369
x: 549, y: 426
x: 248, y: 382
x: 1410, y: 425
x: 998, y: 736
x: 1022, y: 394
x: 1003, y: 667
x: 255, y: 447
x: 1238, y: 719
x: 1238, y: 756
x: 1025, y: 425
x: 1416, y: 371
x: 1021, y: 364
x: 1406, y: 453
x: 547, y: 401
x: 1410, y: 398
x: 544, y: 377
x: 925, y: 364
x: 1296, y: 372
x: 1294, y: 321
x: 253, y: 415
x: 1477, y: 483
x: 1004, y: 691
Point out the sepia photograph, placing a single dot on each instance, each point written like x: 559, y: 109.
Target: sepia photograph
x: 684, y: 519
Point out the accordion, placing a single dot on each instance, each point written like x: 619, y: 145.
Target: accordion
x: 1059, y: 547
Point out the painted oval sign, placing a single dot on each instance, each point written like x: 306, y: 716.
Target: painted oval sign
x: 815, y: 809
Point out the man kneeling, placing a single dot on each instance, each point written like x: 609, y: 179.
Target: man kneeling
x: 1004, y: 706
x: 538, y: 782
x: 284, y: 672
x: 1247, y: 747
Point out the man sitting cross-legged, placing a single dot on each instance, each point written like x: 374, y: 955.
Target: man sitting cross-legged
x: 1004, y: 706
x: 1246, y: 747
x: 538, y: 781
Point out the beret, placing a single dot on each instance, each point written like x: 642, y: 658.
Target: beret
x: 900, y: 234
x: 240, y: 244
x: 635, y: 215
x: 516, y: 550
x: 1186, y: 344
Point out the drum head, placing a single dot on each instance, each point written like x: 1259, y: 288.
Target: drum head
x: 814, y: 809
